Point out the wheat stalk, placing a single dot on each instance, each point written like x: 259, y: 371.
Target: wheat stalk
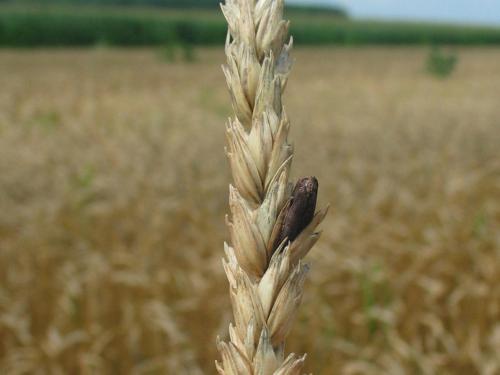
x: 272, y: 226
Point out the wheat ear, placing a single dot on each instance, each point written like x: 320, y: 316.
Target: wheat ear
x: 272, y: 225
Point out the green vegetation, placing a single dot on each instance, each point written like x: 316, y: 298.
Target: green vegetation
x: 122, y: 26
x: 86, y: 28
x: 175, y: 51
x: 440, y: 63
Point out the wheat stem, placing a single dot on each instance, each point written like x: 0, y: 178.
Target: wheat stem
x: 272, y: 226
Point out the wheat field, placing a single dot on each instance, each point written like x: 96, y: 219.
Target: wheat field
x: 113, y: 190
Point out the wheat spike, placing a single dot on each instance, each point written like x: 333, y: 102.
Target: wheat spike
x: 272, y: 226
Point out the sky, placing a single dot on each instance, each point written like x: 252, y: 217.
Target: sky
x: 453, y: 11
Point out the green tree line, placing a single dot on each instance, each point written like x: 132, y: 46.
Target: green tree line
x: 175, y: 4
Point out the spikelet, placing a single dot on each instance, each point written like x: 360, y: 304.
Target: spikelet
x: 265, y: 269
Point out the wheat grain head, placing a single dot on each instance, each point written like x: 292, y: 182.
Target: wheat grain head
x: 272, y: 227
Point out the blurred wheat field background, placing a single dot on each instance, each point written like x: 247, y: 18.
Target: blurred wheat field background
x: 113, y: 186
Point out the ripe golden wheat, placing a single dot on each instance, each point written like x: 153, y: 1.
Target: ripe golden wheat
x: 111, y: 213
